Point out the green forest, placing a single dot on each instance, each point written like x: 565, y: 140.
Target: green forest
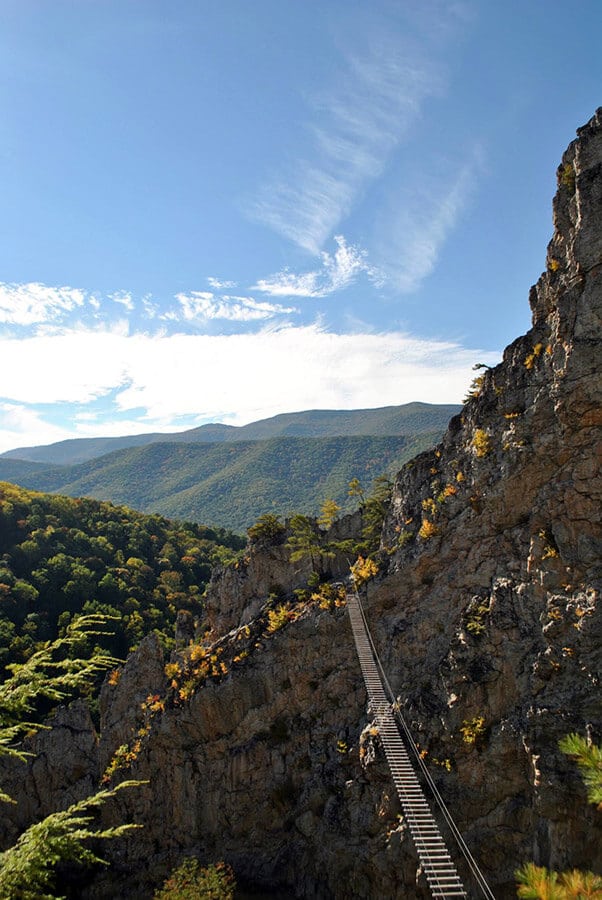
x: 407, y: 420
x: 228, y: 484
x: 61, y: 557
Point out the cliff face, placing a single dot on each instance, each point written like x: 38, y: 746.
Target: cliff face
x: 486, y: 616
x: 494, y: 612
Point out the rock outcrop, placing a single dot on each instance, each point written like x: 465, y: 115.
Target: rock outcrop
x: 486, y: 616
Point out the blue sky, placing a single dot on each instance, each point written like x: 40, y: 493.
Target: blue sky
x: 223, y: 211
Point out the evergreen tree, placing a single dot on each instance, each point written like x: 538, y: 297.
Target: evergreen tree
x: 537, y: 882
x: 303, y: 540
x: 375, y: 510
x: 589, y: 761
x: 356, y: 490
x: 27, y: 869
x: 328, y: 514
x: 51, y: 676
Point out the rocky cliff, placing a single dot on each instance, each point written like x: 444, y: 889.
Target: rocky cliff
x: 486, y: 615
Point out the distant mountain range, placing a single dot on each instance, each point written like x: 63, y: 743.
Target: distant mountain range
x: 410, y: 419
x: 229, y: 476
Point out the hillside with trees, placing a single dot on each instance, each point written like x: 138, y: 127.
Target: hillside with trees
x: 228, y: 484
x: 61, y: 557
x: 408, y: 420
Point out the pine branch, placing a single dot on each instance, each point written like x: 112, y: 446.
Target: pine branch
x: 589, y: 760
x: 49, y: 674
x: 537, y: 883
x: 27, y: 869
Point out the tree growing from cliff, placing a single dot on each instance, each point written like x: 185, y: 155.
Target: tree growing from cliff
x: 267, y: 529
x: 303, y: 541
x: 190, y: 881
x: 356, y: 490
x: 328, y: 513
x: 374, y: 512
x: 539, y: 883
x: 51, y: 676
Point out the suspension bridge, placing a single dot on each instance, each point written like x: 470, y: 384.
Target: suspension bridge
x: 435, y: 859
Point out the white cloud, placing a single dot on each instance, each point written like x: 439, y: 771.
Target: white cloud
x: 220, y: 285
x: 239, y: 377
x: 73, y: 366
x: 124, y: 298
x: 21, y: 426
x: 425, y: 212
x: 34, y: 303
x: 205, y: 306
x: 24, y: 426
x: 291, y: 368
x: 337, y: 272
x: 367, y: 115
x: 151, y: 308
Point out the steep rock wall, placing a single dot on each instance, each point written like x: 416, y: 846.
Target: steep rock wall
x: 491, y: 609
x: 486, y: 616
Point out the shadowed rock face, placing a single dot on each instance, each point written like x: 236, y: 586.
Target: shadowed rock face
x: 486, y: 616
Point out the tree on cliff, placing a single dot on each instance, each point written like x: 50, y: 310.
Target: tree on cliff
x: 303, y: 540
x: 374, y: 512
x: 328, y: 513
x: 537, y: 882
x: 268, y: 529
x: 51, y: 676
x: 192, y: 882
x: 356, y: 490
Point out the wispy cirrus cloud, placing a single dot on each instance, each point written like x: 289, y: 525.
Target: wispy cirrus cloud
x: 414, y: 230
x: 204, y: 305
x: 337, y: 271
x: 150, y: 306
x: 354, y: 127
x: 47, y: 308
x: 33, y: 303
x: 220, y: 285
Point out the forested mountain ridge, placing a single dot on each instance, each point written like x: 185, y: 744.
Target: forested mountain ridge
x: 409, y: 419
x: 228, y: 484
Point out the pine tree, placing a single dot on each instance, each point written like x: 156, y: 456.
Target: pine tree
x: 589, y: 761
x: 27, y: 868
x: 328, y: 514
x: 537, y: 882
x: 303, y: 540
